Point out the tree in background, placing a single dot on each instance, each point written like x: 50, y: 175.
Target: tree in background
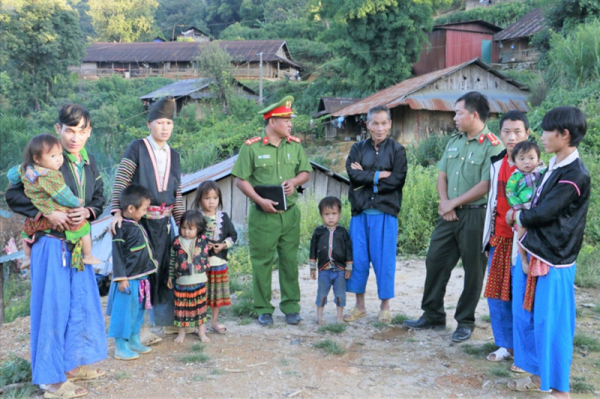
x: 216, y: 63
x: 123, y: 20
x: 41, y: 39
x: 219, y: 14
x: 173, y: 16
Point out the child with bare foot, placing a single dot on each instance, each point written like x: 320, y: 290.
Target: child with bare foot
x: 45, y: 186
x: 331, y: 254
x: 187, y: 273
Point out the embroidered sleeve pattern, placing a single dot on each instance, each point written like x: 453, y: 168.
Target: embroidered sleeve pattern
x: 123, y: 179
x: 178, y: 208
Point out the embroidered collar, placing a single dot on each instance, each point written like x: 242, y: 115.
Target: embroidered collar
x: 332, y: 230
x: 73, y: 158
x: 568, y: 160
x: 32, y: 172
x: 160, y: 186
x: 155, y: 146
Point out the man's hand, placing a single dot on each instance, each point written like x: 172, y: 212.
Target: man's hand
x: 347, y: 275
x: 356, y: 165
x: 450, y: 216
x: 446, y: 206
x: 60, y: 220
x: 124, y: 286
x: 78, y: 215
x: 510, y: 217
x: 170, y: 283
x: 313, y: 274
x: 117, y: 220
x: 288, y: 187
x: 384, y: 174
x: 268, y: 206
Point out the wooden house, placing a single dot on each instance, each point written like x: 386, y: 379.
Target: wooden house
x: 469, y: 4
x: 424, y: 105
x: 340, y: 127
x: 513, y: 43
x: 194, y: 34
x: 195, y: 90
x: 455, y: 43
x: 322, y: 182
x: 179, y: 59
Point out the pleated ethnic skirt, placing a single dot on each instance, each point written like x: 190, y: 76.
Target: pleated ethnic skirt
x: 218, y: 286
x: 190, y: 305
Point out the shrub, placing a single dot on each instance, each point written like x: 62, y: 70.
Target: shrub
x: 429, y: 151
x: 329, y: 346
x: 14, y: 370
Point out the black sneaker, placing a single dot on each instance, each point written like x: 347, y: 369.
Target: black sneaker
x: 292, y: 318
x: 423, y: 324
x: 461, y: 334
x: 265, y: 319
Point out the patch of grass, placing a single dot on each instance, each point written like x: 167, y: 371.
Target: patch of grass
x: 486, y: 318
x: 332, y: 328
x: 195, y: 357
x: 198, y: 347
x: 500, y: 371
x: 216, y: 372
x: 399, y: 319
x: 380, y: 324
x: 287, y: 362
x: 13, y: 370
x: 291, y: 373
x: 597, y: 308
x: 578, y: 313
x: 244, y: 321
x: 198, y: 378
x: 411, y: 340
x: 479, y: 350
x: 122, y: 375
x: 588, y: 272
x: 17, y: 296
x: 26, y: 392
x: 243, y: 304
x: 586, y: 343
x: 578, y: 385
x: 329, y: 346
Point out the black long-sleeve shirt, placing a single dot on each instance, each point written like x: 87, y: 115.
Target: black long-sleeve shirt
x: 331, y: 248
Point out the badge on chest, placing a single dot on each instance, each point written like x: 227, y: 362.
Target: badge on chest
x: 265, y: 156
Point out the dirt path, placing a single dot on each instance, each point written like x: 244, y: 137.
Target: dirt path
x: 281, y: 361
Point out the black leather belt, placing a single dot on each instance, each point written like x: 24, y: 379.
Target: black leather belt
x: 482, y: 206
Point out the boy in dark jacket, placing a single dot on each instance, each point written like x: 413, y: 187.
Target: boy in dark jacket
x: 331, y: 252
x: 133, y: 261
x: 544, y: 299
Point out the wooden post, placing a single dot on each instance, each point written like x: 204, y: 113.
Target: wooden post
x: 1, y: 294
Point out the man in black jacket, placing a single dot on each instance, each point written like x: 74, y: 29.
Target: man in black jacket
x: 377, y: 170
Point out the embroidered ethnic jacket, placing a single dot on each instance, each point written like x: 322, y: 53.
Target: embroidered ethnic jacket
x: 131, y: 252
x: 179, y: 259
x: 331, y: 248
x: 223, y: 230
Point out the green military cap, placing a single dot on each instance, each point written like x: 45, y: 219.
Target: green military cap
x: 282, y: 108
x: 163, y: 108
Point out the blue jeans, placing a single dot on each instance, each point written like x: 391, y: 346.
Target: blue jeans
x: 327, y: 279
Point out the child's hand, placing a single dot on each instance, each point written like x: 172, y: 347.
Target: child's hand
x: 124, y: 286
x: 313, y: 274
x: 170, y: 283
x: 347, y: 275
x: 525, y: 266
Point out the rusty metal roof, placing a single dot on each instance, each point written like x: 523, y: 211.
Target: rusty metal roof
x: 412, y: 92
x: 188, y: 87
x: 327, y: 105
x: 240, y: 51
x: 459, y: 25
x: 527, y: 26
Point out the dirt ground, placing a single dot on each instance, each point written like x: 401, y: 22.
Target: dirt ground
x: 281, y: 361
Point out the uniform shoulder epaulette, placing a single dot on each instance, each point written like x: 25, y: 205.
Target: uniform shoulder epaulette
x: 493, y: 139
x: 294, y: 138
x: 252, y: 140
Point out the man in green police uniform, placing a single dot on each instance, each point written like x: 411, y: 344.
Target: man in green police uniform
x: 462, y: 184
x: 277, y: 158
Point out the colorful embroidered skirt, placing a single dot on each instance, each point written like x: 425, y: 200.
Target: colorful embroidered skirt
x: 190, y: 305
x: 218, y: 286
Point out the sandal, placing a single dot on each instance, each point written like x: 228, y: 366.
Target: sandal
x: 66, y: 390
x: 354, y: 314
x: 499, y: 355
x: 219, y: 329
x: 516, y: 369
x: 321, y: 321
x: 385, y: 316
x: 151, y: 339
x: 523, y: 385
x: 86, y: 373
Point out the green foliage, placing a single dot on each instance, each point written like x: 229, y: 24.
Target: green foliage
x: 40, y: 40
x: 380, y: 324
x: 479, y: 350
x: 172, y: 16
x: 322, y: 160
x: 16, y: 298
x: 501, y: 14
x: 14, y: 369
x: 123, y: 20
x: 330, y: 347
x: 418, y: 214
x: 429, y: 151
x: 586, y: 343
x: 500, y: 371
x: 566, y: 15
x: 575, y: 58
x: 579, y: 385
x: 243, y: 303
x: 399, y: 319
x: 332, y: 328
x: 588, y: 265
x: 216, y: 63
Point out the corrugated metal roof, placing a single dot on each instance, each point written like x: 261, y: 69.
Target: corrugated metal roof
x: 402, y: 93
x: 458, y: 25
x: 327, y: 105
x: 240, y: 51
x: 528, y: 25
x: 188, y: 87
x: 223, y: 169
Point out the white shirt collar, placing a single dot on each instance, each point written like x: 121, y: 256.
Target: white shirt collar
x: 552, y: 165
x: 155, y: 146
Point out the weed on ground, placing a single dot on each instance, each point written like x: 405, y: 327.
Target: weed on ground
x: 329, y: 346
x: 332, y: 328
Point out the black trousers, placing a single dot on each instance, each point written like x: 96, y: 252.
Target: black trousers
x: 450, y: 242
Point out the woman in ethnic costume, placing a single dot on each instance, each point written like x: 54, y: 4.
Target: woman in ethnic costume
x: 67, y: 326
x: 150, y: 162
